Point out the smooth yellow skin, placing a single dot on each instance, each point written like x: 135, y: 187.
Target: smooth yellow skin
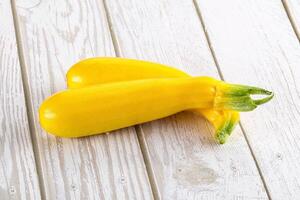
x: 107, y: 70
x: 101, y: 108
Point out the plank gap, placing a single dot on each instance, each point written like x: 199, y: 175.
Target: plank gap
x: 146, y: 157
x: 138, y: 130
x: 112, y: 32
x: 208, y: 39
x: 197, y: 7
x: 256, y: 162
x: 27, y: 98
x: 290, y: 17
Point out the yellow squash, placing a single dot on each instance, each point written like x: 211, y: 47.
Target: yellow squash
x: 101, y: 108
x: 107, y: 70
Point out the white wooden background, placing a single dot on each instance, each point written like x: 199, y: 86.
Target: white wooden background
x: 252, y: 42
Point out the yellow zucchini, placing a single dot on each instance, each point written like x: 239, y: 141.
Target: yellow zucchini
x: 101, y: 108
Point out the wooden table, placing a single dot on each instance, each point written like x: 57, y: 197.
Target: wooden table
x: 252, y: 42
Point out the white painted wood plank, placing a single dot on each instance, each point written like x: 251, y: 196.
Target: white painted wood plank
x: 55, y: 34
x: 185, y: 161
x: 255, y: 44
x: 18, y: 176
x: 293, y: 10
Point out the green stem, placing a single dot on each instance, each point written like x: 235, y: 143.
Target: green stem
x: 224, y: 132
x: 238, y: 97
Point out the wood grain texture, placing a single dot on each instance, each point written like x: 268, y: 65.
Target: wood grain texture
x: 18, y: 176
x: 254, y: 43
x: 184, y: 160
x: 292, y: 8
x: 55, y: 34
